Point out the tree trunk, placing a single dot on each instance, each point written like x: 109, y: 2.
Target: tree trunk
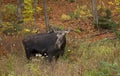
x: 46, y: 16
x: 35, y: 12
x: 0, y: 15
x: 20, y: 4
x: 95, y: 14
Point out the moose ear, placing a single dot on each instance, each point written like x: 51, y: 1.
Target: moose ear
x: 53, y: 29
x: 68, y: 30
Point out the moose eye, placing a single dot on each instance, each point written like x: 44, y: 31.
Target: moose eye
x: 60, y: 33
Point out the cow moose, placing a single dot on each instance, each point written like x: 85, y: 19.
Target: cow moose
x: 48, y: 45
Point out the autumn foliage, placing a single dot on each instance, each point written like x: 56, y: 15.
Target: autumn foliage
x: 92, y: 48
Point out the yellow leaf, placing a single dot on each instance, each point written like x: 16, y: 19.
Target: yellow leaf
x: 111, y: 3
x: 27, y: 30
x: 34, y: 31
x: 39, y: 9
x: 65, y: 17
x: 82, y: 12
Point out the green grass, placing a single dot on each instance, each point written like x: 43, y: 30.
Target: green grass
x: 101, y: 58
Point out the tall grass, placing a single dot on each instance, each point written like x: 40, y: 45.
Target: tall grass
x: 80, y: 59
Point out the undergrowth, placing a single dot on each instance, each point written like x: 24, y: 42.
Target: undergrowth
x: 80, y: 59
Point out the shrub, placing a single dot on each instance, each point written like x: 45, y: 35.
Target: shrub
x: 104, y: 19
x: 115, y: 9
x: 9, y: 12
x: 109, y: 69
x: 11, y: 29
x: 80, y: 12
x: 65, y: 17
x: 28, y: 11
x: 104, y: 69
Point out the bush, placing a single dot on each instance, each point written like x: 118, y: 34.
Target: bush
x: 104, y: 19
x: 28, y: 11
x: 117, y: 33
x: 105, y: 69
x: 11, y: 29
x: 109, y: 69
x: 65, y: 17
x: 9, y: 12
x: 81, y: 12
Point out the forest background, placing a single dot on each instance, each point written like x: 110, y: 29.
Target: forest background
x: 92, y: 45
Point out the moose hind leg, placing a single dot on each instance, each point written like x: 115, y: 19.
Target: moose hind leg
x: 28, y: 54
x: 50, y: 58
x: 57, y: 56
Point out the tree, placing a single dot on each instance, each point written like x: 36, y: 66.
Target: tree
x: 95, y: 14
x: 35, y: 12
x: 0, y: 15
x: 46, y: 16
x: 20, y: 4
